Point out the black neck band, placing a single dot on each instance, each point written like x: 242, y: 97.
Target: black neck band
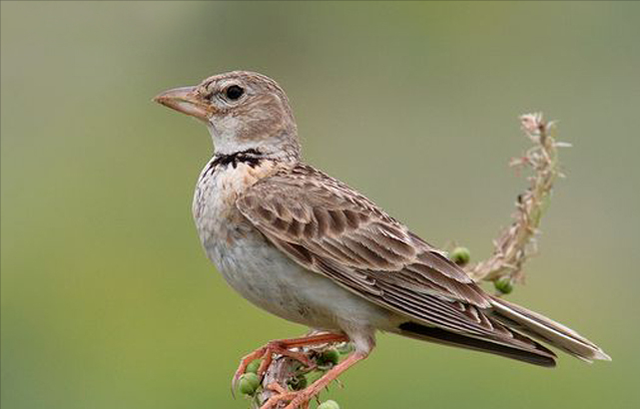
x: 252, y: 157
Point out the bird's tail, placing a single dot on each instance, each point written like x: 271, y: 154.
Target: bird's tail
x: 546, y: 330
x: 516, y: 346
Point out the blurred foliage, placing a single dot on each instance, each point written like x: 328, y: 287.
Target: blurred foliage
x: 107, y: 298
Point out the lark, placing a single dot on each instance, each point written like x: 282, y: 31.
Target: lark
x: 310, y: 249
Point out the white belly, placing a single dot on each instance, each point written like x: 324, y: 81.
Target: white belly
x: 272, y: 281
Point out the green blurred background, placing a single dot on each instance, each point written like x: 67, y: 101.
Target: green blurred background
x: 108, y: 300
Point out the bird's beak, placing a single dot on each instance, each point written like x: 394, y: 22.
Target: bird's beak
x: 185, y: 100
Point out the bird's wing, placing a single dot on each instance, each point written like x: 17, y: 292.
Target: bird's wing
x: 329, y: 228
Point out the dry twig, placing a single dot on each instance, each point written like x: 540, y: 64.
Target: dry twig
x: 517, y: 243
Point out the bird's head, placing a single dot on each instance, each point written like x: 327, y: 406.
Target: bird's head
x: 242, y: 110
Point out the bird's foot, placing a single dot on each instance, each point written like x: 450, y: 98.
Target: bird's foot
x: 282, y: 396
x: 266, y: 353
x: 283, y: 347
x: 300, y: 399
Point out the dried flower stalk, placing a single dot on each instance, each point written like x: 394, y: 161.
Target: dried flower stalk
x: 517, y: 243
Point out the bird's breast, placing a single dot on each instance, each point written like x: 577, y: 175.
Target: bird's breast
x: 220, y: 184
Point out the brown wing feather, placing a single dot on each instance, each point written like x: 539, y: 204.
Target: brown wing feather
x: 329, y: 228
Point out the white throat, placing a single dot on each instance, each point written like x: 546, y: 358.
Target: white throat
x: 223, y: 134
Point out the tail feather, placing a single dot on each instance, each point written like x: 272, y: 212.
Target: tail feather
x: 521, y: 348
x: 546, y: 330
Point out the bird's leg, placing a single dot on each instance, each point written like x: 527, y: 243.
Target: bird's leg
x: 300, y: 399
x: 282, y: 395
x: 283, y: 347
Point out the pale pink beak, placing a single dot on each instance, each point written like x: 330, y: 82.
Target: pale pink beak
x: 185, y: 100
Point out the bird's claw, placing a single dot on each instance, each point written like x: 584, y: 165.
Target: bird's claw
x: 294, y: 399
x: 266, y: 353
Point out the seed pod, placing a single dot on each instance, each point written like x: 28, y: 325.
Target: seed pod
x: 460, y: 255
x: 330, y: 404
x: 249, y: 383
x: 253, y: 366
x: 298, y: 383
x: 504, y: 285
x: 328, y: 357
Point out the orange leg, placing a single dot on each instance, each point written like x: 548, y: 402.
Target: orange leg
x: 282, y: 347
x: 283, y: 395
x: 300, y: 399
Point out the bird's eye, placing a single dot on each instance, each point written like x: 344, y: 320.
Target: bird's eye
x: 234, y: 92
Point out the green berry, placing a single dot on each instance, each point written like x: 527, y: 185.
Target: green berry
x: 460, y: 255
x: 329, y: 357
x: 330, y: 404
x: 298, y: 383
x: 249, y: 383
x: 253, y: 366
x: 504, y: 285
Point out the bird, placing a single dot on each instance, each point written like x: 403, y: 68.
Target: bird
x: 308, y: 248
